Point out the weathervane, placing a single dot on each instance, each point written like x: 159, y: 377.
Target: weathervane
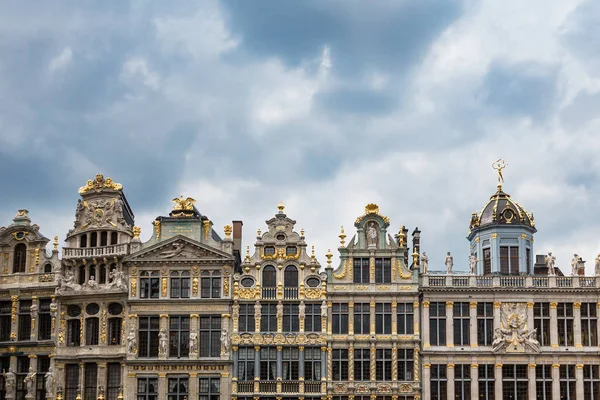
x: 499, y: 165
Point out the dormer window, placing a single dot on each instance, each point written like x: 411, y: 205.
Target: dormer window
x: 20, y: 258
x: 290, y: 251
x: 269, y: 250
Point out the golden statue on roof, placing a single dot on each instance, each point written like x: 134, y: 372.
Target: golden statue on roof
x: 183, y: 204
x: 499, y: 165
x: 98, y: 184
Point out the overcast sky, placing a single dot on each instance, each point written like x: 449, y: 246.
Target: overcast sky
x: 326, y: 105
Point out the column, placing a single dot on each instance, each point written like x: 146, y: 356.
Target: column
x: 449, y: 324
x: 373, y: 363
x: 163, y: 325
x: 425, y: 387
x: 101, y: 377
x: 531, y: 375
x: 193, y: 388
x: 13, y: 317
x: 82, y: 376
x: 474, y: 382
x: 234, y: 350
x: 33, y: 365
x: 351, y: 362
x: 425, y: 324
x: 326, y: 363
x: 556, y: 381
x: 279, y: 316
x: 498, y: 385
x: 450, y: 376
x: 301, y: 362
x: 530, y: 318
x: 350, y: 318
x: 257, y: 316
x: 194, y: 328
x: 162, y: 385
x: 394, y: 317
x: 301, y: 316
x: 553, y: 325
x: 497, y: 306
x: 279, y: 364
x: 34, y: 317
x: 577, y: 323
x: 394, y: 363
x: 473, y: 323
x: 256, y: 367
x: 579, y: 384
x: 416, y: 317
x: 372, y: 315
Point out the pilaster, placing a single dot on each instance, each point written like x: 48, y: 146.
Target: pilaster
x: 450, y: 376
x: 577, y: 323
x: 474, y: 382
x: 553, y: 325
x: 531, y: 376
x: 473, y: 324
x: 425, y: 325
x: 556, y: 381
x: 449, y: 324
x: 498, y: 385
x: 579, y: 384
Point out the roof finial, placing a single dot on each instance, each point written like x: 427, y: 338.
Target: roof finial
x: 342, y: 237
x: 281, y: 206
x: 499, y: 165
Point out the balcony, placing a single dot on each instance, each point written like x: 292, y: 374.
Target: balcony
x: 269, y: 293
x: 509, y: 282
x: 93, y: 252
x: 279, y: 387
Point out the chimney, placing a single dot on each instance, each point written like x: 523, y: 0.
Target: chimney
x: 416, y: 242
x: 237, y: 236
x: 406, y: 258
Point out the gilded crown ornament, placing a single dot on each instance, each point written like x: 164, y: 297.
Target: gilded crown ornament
x: 98, y: 184
x: 227, y: 229
x: 136, y: 232
x: 182, y: 204
x: 281, y: 206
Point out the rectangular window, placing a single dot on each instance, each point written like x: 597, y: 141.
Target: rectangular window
x: 25, y: 320
x: 5, y: 308
x: 43, y: 364
x: 406, y: 319
x: 461, y: 322
x: 312, y: 364
x: 543, y: 381
x: 360, y: 270
x: 148, y: 336
x: 340, y: 364
x: 291, y: 322
x: 291, y: 363
x: 210, y: 285
x: 246, y: 363
x: 312, y: 319
x: 486, y: 379
x: 114, y: 331
x: 268, y: 363
x: 565, y: 324
x: 180, y: 285
x: 439, y: 382
x: 209, y: 389
x: 567, y: 382
x: 268, y: 317
x: 462, y: 381
x: 485, y: 324
x: 437, y: 324
x: 406, y: 364
x: 362, y: 318
x: 149, y: 285
x: 178, y: 388
x: 509, y: 260
x: 515, y: 382
x: 21, y: 372
x: 113, y: 380
x: 589, y: 324
x: 383, y: 318
x: 362, y: 361
x: 44, y: 320
x: 339, y: 317
x: 210, y: 336
x: 246, y: 319
x: 383, y: 270
x: 92, y: 326
x: 528, y: 260
x: 591, y: 382
x: 541, y: 321
x: 73, y: 333
x: 147, y: 389
x: 71, y: 381
x: 487, y: 261
x: 383, y: 368
x: 90, y: 380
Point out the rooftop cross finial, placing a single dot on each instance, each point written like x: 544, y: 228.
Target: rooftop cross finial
x: 499, y: 165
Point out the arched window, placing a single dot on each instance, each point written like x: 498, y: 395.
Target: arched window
x: 92, y: 326
x: 290, y: 276
x: 92, y: 272
x: 104, y: 238
x: 81, y: 276
x: 83, y: 240
x: 47, y: 268
x: 20, y: 258
x: 114, y: 238
x: 269, y: 276
x: 94, y: 239
x: 101, y: 278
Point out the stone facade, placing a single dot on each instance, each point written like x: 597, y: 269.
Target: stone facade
x: 184, y: 316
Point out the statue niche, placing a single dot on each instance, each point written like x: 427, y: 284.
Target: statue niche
x: 372, y: 234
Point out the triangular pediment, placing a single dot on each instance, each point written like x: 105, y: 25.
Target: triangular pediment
x: 179, y: 248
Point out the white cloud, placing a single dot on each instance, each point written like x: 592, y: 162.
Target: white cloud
x: 61, y: 61
x: 136, y: 68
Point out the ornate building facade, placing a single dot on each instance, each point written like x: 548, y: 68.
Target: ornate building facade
x: 182, y: 316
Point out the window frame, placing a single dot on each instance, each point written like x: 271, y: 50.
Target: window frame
x: 437, y: 323
x: 461, y: 323
x: 339, y: 318
x: 179, y: 336
x: 485, y: 323
x: 383, y: 318
x: 210, y: 336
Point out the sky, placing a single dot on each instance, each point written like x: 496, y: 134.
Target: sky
x: 324, y: 105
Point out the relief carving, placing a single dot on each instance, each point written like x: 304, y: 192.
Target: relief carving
x: 513, y: 334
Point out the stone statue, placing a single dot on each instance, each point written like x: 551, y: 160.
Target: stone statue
x: 257, y: 310
x: 131, y: 341
x: 34, y: 310
x: 67, y: 282
x: 449, y: 261
x: 163, y: 342
x: 425, y: 262
x: 116, y: 280
x: 224, y: 342
x: 280, y: 310
x: 10, y: 383
x: 193, y: 342
x: 177, y: 249
x: 53, y: 308
x: 301, y: 310
x: 597, y: 265
x: 550, y: 260
x: 324, y: 309
x: 372, y: 234
x: 473, y: 260
x: 92, y: 284
x: 49, y: 382
x: 574, y: 264
x: 30, y: 383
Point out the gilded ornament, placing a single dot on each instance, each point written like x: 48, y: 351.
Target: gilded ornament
x: 206, y: 227
x: 136, y: 232
x: 157, y: 229
x: 103, y: 328
x: 342, y: 273
x: 372, y: 209
x: 227, y: 229
x: 133, y: 286
x: 13, y: 314
x: 342, y: 237
x: 195, y: 286
x: 99, y: 184
x: 164, y: 287
x: 182, y: 204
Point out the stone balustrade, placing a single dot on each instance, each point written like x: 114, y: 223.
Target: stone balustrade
x: 91, y: 252
x: 509, y: 281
